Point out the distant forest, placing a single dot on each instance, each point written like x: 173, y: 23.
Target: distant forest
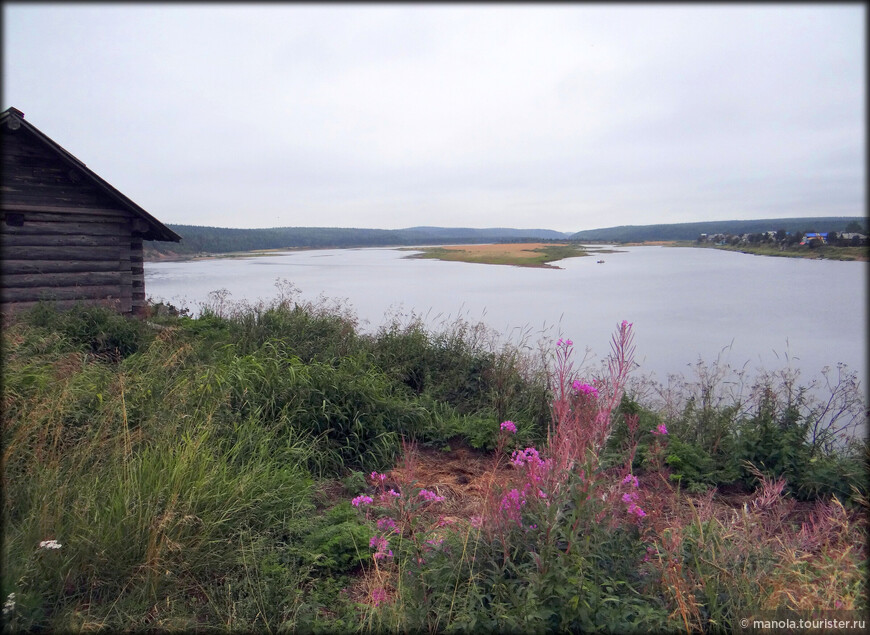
x: 691, y: 231
x: 215, y: 240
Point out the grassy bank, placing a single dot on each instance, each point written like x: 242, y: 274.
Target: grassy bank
x: 824, y: 252
x: 517, y: 254
x: 272, y: 469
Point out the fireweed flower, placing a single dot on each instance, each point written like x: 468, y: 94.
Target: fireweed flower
x: 426, y: 495
x: 362, y: 500
x: 50, y: 544
x: 529, y: 455
x: 380, y: 544
x: 585, y: 389
x: 379, y: 596
x: 661, y: 429
x: 510, y: 426
x: 633, y: 507
x: 386, y: 497
x: 630, y: 478
x: 378, y: 477
x: 386, y: 524
x: 378, y: 541
x: 511, y: 505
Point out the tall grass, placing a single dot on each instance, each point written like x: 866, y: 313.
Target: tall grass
x: 178, y: 473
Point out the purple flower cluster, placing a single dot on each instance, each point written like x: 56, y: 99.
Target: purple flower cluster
x: 630, y: 478
x: 426, y: 495
x: 630, y: 498
x: 586, y: 389
x: 564, y: 343
x: 362, y: 500
x: 386, y: 497
x: 375, y: 476
x: 380, y: 544
x: 386, y: 524
x: 379, y: 596
x: 510, y: 426
x: 511, y: 505
x: 661, y: 429
x: 528, y: 456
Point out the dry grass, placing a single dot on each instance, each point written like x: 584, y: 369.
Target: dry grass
x: 518, y: 254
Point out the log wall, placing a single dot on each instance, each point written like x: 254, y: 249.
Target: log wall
x: 63, y: 238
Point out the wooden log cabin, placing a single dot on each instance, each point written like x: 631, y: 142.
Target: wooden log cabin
x: 67, y: 236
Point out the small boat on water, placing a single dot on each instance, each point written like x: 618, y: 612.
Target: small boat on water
x: 600, y: 262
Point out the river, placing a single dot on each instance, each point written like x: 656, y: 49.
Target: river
x: 686, y: 304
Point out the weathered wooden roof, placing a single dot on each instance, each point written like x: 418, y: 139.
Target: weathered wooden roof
x: 14, y: 118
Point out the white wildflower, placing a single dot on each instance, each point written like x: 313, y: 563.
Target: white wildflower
x: 9, y: 605
x: 50, y: 544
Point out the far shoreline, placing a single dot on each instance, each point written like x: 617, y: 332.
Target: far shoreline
x: 843, y: 254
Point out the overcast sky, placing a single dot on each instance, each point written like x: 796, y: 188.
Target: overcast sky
x: 562, y: 116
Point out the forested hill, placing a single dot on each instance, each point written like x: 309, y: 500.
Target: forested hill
x: 691, y: 231
x: 214, y: 240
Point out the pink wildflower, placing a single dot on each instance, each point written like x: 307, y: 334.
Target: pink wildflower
x: 378, y: 477
x: 430, y: 496
x: 380, y: 543
x: 634, y: 509
x: 586, y: 389
x: 386, y: 524
x: 512, y: 503
x: 529, y: 455
x: 362, y: 500
x: 661, y: 429
x: 510, y: 426
x: 630, y: 478
x: 387, y: 496
x: 379, y: 596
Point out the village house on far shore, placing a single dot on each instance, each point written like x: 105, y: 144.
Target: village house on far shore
x: 67, y: 236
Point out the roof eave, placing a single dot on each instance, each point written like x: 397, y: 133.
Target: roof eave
x: 156, y: 230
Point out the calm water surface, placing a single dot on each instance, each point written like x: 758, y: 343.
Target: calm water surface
x: 686, y: 304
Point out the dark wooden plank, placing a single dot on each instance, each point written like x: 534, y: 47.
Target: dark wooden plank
x: 41, y: 240
x: 62, y: 253
x: 8, y: 266
x: 62, y: 213
x: 65, y: 279
x: 56, y: 197
x: 30, y: 294
x: 102, y: 227
x: 9, y: 308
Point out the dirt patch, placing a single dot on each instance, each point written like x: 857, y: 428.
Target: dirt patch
x: 464, y: 476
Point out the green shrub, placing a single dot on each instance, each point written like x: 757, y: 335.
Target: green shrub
x: 338, y: 542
